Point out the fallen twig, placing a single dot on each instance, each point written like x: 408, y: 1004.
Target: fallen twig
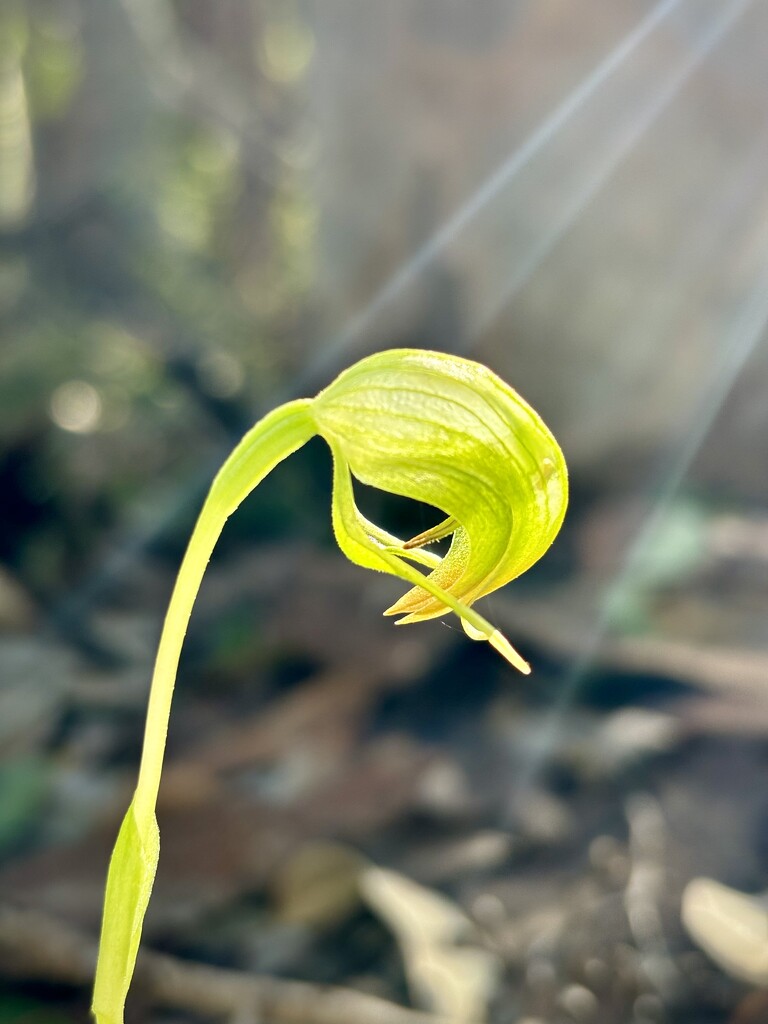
x: 719, y: 669
x: 34, y: 945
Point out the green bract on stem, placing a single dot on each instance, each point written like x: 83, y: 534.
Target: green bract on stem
x: 424, y: 425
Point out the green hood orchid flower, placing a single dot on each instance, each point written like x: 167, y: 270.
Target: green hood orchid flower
x: 424, y: 425
x: 448, y: 432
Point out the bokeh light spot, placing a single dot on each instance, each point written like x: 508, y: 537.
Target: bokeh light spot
x: 286, y: 50
x: 76, y: 406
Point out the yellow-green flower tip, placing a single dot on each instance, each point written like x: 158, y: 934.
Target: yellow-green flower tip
x: 449, y: 432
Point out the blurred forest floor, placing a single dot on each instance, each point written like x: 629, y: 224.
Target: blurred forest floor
x: 313, y: 745
x: 360, y: 824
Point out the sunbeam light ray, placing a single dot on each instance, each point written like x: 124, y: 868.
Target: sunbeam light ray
x: 740, y: 340
x: 355, y: 332
x: 619, y: 151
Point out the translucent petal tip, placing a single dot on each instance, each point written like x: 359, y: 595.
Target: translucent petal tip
x: 500, y: 643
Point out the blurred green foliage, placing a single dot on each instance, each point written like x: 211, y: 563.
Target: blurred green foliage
x: 157, y: 240
x: 23, y: 787
x: 24, y: 1010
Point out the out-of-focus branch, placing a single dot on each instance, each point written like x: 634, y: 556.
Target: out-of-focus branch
x: 564, y: 636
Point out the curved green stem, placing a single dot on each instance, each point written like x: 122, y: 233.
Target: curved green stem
x: 273, y: 438
x: 134, y: 861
